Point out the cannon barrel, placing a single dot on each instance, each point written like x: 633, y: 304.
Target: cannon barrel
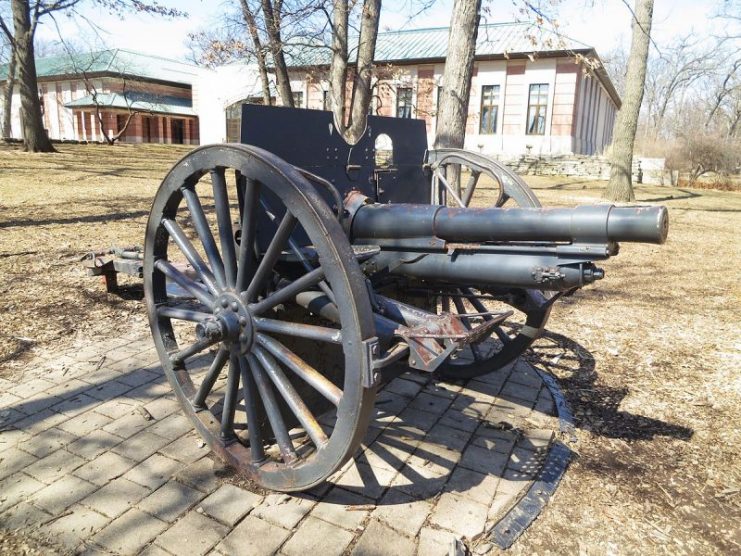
x: 585, y: 224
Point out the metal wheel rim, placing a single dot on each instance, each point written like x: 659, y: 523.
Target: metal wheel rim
x: 356, y: 402
x: 535, y: 307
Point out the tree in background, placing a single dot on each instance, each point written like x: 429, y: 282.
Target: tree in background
x: 620, y: 186
x: 26, y: 15
x: 7, y: 56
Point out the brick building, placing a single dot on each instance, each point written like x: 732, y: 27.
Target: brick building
x: 527, y: 95
x: 155, y: 92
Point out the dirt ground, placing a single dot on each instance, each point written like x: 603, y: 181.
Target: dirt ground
x: 649, y: 357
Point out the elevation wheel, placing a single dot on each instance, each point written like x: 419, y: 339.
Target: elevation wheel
x: 234, y: 235
x: 486, y: 182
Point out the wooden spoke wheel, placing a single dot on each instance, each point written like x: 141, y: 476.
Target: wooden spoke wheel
x: 235, y: 234
x: 486, y: 182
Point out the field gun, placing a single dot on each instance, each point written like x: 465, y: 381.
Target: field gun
x: 285, y: 273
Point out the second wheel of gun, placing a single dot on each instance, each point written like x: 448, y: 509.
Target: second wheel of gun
x: 485, y: 182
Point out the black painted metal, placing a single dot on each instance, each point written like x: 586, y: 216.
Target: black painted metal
x: 309, y: 140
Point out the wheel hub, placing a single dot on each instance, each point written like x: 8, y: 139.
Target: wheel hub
x: 233, y: 320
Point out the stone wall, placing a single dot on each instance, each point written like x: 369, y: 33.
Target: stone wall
x: 596, y: 167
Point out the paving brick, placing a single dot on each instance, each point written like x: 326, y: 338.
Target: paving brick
x: 494, y: 444
x: 12, y: 437
x: 93, y: 444
x: 317, y: 537
x: 443, y: 389
x: 13, y: 460
x: 154, y: 471
x: 378, y: 538
x: 154, y: 550
x: 457, y: 419
x: 63, y: 493
x: 406, y: 388
x: 516, y: 392
x: 85, y: 423
x: 75, y: 405
x: 133, y: 373
x: 193, y: 535
x: 472, y: 484
x: 255, y: 537
x: 105, y: 468
x: 8, y: 399
x: 140, y: 446
x: 47, y: 442
x: 10, y: 415
x: 127, y: 425
x: 200, y: 475
x: 461, y: 515
x: 230, y: 503
x: 68, y: 389
x: 500, y: 506
x: 340, y: 508
x: 40, y: 421
x: 72, y: 529
x: 54, y: 466
x: 28, y: 388
x: 429, y: 402
x: 116, y: 497
x: 172, y: 427
x: 366, y: 480
x: 162, y: 407
x: 187, y: 448
x: 402, y: 512
x: 170, y: 500
x: 115, y: 409
x: 418, y: 486
x: 17, y: 488
x: 527, y: 376
x: 283, y: 510
x: 455, y: 439
x: 434, y: 542
x: 23, y: 516
x: 108, y: 390
x: 483, y: 460
x: 129, y: 533
x: 418, y: 418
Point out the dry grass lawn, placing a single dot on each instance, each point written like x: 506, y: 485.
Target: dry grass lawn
x: 649, y: 358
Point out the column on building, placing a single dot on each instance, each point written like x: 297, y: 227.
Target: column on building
x: 564, y: 102
x: 161, y: 130
x: 168, y: 130
x: 186, y: 132
x: 425, y: 94
x: 513, y: 118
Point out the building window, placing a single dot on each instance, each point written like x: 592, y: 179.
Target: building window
x: 489, y: 109
x: 298, y: 99
x: 537, y: 107
x: 404, y: 102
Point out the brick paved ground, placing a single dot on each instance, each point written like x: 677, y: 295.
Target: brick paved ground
x: 96, y: 456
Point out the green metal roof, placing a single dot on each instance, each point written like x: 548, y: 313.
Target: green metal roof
x: 114, y: 62
x: 495, y: 39
x: 136, y: 101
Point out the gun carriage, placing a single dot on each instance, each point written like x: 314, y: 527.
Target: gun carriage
x: 284, y: 274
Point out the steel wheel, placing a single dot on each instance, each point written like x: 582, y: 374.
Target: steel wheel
x: 275, y: 394
x: 501, y: 188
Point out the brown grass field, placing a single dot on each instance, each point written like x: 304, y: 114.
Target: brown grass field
x: 649, y: 358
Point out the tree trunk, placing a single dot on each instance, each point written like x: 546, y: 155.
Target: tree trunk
x: 338, y: 68
x: 272, y: 23
x: 35, y: 138
x: 7, y: 130
x: 620, y: 187
x: 453, y: 112
x: 361, y: 93
x: 262, y: 65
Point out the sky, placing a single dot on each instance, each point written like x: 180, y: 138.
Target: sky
x: 602, y: 24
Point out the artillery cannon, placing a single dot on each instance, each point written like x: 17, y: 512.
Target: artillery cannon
x: 284, y: 274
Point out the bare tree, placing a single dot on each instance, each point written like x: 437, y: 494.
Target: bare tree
x: 620, y: 186
x: 670, y: 74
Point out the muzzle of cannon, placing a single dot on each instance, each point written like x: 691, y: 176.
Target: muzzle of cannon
x: 286, y: 274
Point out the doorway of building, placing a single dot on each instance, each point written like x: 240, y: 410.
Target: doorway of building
x: 177, y: 131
